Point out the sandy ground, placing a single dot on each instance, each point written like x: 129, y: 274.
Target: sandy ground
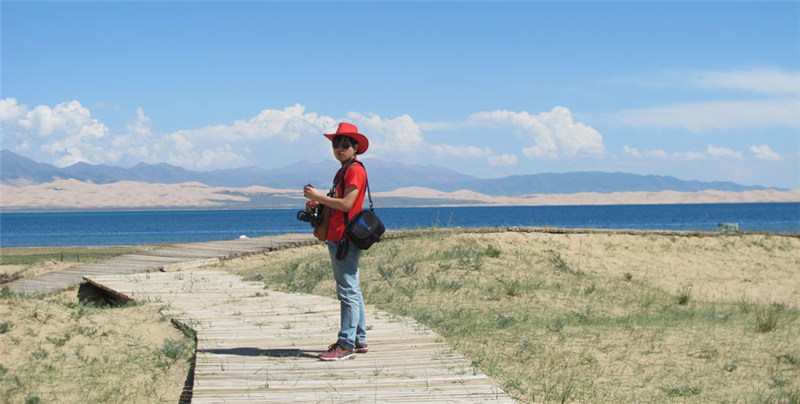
x: 763, y: 268
x: 728, y: 267
x: 74, y: 194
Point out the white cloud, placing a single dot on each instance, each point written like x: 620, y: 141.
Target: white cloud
x: 138, y: 143
x: 503, y: 160
x: 474, y: 152
x: 434, y: 126
x: 553, y: 134
x: 69, y: 117
x: 764, y: 152
x: 723, y: 152
x: 656, y: 154
x: 10, y: 110
x: 631, y: 151
x: 778, y: 102
x: 289, y: 123
x: 663, y: 155
x: 141, y: 126
x: 65, y: 134
x: 272, y: 135
x: 182, y: 143
x: 757, y: 80
x: 220, y: 156
x: 716, y: 115
x: 389, y: 135
x: 446, y: 150
x: 688, y: 156
x: 761, y: 152
x: 767, y: 80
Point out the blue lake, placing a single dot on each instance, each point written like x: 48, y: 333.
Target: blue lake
x: 152, y: 227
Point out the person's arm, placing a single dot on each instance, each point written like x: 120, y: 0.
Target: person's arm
x: 344, y: 204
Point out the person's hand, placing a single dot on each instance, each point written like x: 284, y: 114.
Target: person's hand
x: 311, y: 193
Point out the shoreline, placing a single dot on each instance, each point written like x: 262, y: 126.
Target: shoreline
x: 112, y: 209
x: 391, y: 234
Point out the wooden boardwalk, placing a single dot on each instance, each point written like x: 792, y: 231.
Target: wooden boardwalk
x: 260, y: 346
x: 165, y: 258
x: 193, y: 255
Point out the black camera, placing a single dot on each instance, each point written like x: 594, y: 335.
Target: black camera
x: 313, y: 216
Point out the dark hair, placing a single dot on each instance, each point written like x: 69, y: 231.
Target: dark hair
x: 338, y: 139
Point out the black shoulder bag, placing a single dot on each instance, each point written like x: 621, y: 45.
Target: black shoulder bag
x: 365, y: 229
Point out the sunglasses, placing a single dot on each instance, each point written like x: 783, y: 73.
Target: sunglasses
x: 343, y: 142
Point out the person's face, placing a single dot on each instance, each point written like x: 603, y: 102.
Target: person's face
x: 344, y: 148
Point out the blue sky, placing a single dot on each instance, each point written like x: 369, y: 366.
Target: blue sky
x: 707, y: 91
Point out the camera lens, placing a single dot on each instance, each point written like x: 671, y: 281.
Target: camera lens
x: 303, y: 216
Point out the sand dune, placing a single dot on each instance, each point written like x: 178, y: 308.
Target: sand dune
x: 74, y: 194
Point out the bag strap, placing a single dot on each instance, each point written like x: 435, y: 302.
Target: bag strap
x: 366, y: 179
x: 340, y: 181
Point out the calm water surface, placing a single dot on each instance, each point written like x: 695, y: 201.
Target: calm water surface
x: 152, y: 227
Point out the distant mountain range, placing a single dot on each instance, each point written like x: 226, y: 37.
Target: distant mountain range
x: 384, y: 176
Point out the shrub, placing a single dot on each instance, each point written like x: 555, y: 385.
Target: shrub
x: 682, y: 391
x: 175, y: 349
x: 685, y: 295
x: 492, y: 252
x: 767, y: 318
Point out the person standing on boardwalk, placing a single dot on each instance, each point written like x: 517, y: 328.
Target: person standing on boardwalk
x: 347, y: 195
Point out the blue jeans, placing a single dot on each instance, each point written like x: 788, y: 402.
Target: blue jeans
x: 345, y: 272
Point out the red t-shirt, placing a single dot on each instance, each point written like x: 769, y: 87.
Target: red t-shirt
x: 355, y: 176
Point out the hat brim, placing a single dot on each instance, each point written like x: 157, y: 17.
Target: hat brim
x: 363, y: 142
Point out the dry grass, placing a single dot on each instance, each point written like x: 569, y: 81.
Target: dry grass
x: 589, y: 318
x: 55, y: 349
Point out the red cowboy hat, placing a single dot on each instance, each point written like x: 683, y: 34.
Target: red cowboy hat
x: 350, y: 130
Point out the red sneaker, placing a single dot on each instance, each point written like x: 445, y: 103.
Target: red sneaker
x: 337, y: 353
x: 362, y: 348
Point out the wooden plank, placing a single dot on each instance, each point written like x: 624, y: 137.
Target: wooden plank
x: 169, y: 258
x: 261, y: 346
